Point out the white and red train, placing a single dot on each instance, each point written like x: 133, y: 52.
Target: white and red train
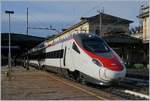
x: 84, y: 57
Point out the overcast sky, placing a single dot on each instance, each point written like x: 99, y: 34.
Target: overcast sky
x: 63, y: 13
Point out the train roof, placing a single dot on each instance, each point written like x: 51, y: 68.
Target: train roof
x: 57, y: 39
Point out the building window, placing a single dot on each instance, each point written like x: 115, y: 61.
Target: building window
x: 97, y: 32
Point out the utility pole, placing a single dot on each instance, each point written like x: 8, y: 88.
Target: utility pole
x: 9, y: 52
x: 100, y: 21
x: 27, y: 21
x: 27, y: 65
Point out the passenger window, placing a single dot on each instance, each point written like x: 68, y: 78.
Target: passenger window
x: 74, y: 47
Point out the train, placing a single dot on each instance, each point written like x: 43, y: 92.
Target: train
x: 82, y: 57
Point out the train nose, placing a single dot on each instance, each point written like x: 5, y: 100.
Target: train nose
x: 114, y: 75
x: 114, y: 63
x: 111, y: 75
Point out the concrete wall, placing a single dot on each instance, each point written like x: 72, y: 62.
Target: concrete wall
x: 91, y: 27
x: 83, y: 28
x: 146, y: 29
x: 109, y: 27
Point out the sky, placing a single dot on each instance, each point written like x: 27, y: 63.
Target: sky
x: 62, y: 14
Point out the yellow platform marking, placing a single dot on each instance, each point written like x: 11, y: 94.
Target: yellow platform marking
x: 86, y: 91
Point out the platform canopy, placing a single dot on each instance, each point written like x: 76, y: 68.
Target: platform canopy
x: 19, y: 43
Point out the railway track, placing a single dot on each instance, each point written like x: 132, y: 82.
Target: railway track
x: 129, y: 89
x: 138, y: 73
x: 125, y: 91
x: 126, y: 94
x: 140, y: 85
x: 145, y: 77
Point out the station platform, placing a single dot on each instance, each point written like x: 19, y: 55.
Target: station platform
x: 41, y: 85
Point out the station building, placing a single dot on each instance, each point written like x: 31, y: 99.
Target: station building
x: 109, y: 24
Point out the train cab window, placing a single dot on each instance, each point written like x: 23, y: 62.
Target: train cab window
x: 95, y: 45
x: 74, y: 47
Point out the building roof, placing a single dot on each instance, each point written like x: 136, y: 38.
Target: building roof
x: 106, y: 18
x: 122, y: 39
x: 21, y: 40
x: 74, y: 26
x: 20, y: 37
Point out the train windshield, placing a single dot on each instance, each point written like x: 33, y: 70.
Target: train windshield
x: 95, y: 44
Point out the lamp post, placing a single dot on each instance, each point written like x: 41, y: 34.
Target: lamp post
x: 27, y: 62
x: 9, y: 52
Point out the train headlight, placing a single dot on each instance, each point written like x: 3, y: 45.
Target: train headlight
x: 96, y: 62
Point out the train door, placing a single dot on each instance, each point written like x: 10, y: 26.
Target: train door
x: 41, y: 58
x: 76, y: 55
x: 63, y: 59
x: 62, y: 56
x: 71, y: 58
x: 67, y: 61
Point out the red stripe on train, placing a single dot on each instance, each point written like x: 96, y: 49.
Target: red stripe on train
x: 113, y: 63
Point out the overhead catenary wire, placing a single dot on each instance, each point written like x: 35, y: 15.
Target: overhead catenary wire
x: 43, y: 25
x: 43, y: 10
x: 37, y: 20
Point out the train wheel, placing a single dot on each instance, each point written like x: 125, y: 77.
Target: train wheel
x: 65, y: 74
x: 81, y: 79
x: 24, y: 65
x: 39, y: 66
x: 70, y: 75
x: 43, y: 68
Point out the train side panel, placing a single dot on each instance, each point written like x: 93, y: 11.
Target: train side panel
x: 53, y: 61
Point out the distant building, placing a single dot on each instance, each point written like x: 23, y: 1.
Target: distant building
x: 144, y: 16
x: 137, y: 32
x: 101, y: 24
x: 137, y: 35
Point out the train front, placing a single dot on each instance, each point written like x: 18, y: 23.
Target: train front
x: 111, y: 66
